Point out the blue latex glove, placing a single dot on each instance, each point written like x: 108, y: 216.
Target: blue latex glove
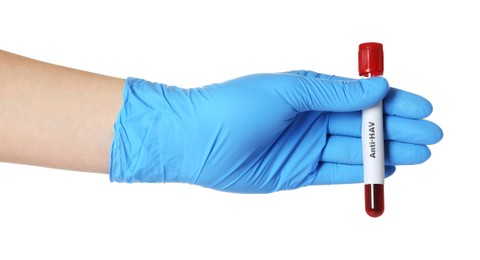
x: 263, y: 133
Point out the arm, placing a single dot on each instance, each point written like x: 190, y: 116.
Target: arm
x: 290, y: 134
x: 55, y: 116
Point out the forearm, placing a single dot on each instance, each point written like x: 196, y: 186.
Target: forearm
x: 55, y: 116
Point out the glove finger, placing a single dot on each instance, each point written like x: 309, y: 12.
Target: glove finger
x: 315, y: 94
x: 400, y: 129
x: 397, y: 102
x: 335, y: 173
x: 313, y: 74
x: 405, y: 104
x: 348, y: 150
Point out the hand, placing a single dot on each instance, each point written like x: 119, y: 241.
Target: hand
x: 263, y: 133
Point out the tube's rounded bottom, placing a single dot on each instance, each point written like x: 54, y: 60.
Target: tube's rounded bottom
x: 374, y: 200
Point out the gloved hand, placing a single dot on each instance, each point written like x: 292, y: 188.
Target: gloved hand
x: 263, y: 133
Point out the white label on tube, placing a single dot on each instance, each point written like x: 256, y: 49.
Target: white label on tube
x: 373, y: 146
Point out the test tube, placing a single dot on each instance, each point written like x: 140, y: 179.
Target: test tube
x: 370, y: 64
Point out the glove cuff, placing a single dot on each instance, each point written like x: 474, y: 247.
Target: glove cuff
x: 145, y: 146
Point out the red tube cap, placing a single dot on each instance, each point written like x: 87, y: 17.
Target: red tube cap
x: 370, y: 59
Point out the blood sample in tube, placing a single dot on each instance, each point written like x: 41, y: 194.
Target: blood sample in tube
x: 370, y: 64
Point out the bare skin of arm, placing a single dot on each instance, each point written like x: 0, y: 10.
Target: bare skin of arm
x: 56, y: 117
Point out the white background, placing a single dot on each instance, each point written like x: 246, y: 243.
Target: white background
x: 432, y: 210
